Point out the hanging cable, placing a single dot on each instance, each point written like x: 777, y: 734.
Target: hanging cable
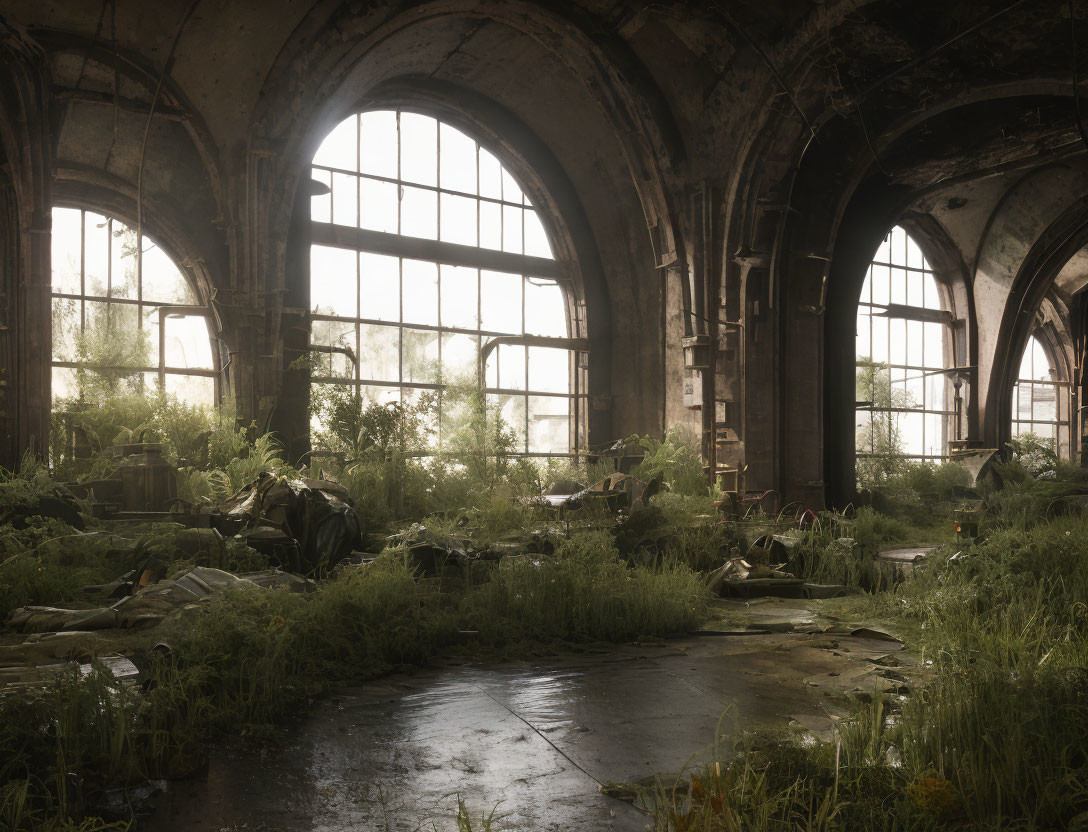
x: 147, y: 131
x: 766, y: 59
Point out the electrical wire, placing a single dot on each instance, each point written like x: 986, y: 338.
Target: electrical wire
x: 766, y: 59
x: 925, y: 56
x: 147, y: 131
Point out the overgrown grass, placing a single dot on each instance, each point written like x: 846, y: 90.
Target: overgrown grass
x: 49, y: 562
x: 992, y: 738
x: 251, y: 657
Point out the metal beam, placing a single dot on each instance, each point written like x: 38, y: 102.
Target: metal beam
x: 451, y: 254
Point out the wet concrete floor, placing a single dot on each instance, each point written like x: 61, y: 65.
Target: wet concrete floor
x: 531, y: 740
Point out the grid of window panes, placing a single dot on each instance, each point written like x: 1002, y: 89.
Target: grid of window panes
x: 393, y: 326
x: 1038, y: 398
x: 909, y: 353
x: 108, y: 314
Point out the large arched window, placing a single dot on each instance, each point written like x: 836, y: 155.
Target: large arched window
x: 124, y: 323
x: 903, y: 344
x: 424, y: 249
x: 1040, y: 400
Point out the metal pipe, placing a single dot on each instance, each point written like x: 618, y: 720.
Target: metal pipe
x: 577, y: 344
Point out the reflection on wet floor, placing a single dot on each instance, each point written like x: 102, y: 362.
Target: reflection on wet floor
x: 531, y: 741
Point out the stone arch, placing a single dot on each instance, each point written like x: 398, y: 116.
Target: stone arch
x: 25, y: 199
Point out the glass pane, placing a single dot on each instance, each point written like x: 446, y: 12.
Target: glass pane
x: 123, y: 282
x: 379, y: 352
x: 914, y: 255
x: 536, y: 241
x: 420, y: 292
x: 491, y: 226
x: 458, y: 161
x: 162, y: 281
x: 460, y: 297
x: 545, y: 308
x: 490, y: 175
x: 511, y: 192
x: 1022, y: 403
x: 881, y: 285
x: 915, y: 343
x: 345, y: 200
x: 459, y: 220
x: 935, y: 430
x: 932, y: 297
x: 338, y: 334
x: 419, y: 356
x: 460, y: 356
x: 187, y: 343
x: 379, y: 279
x: 511, y: 367
x: 510, y: 410
x: 418, y: 149
x: 936, y: 397
x: 897, y: 334
x: 96, y: 254
x: 549, y: 424
x: 911, y: 426
x: 374, y: 394
x: 1040, y: 362
x: 66, y: 328
x: 333, y: 281
x: 379, y: 205
x: 321, y: 204
x: 192, y: 389
x: 880, y: 339
x: 340, y: 148
x: 150, y: 316
x: 111, y: 336
x: 419, y: 213
x: 899, y: 286
x: 1045, y: 402
x: 511, y: 229
x: 66, y: 256
x: 549, y: 370
x: 64, y: 384
x: 933, y: 336
x: 500, y: 302
x: 378, y: 153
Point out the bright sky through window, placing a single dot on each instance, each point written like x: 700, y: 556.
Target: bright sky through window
x: 392, y: 317
x: 108, y: 314
x: 907, y: 405
x: 1038, y: 397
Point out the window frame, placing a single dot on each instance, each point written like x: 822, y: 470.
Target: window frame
x: 1062, y: 387
x: 556, y: 270
x: 161, y: 369
x: 944, y: 316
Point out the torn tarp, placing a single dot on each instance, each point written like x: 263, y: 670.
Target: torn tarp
x: 305, y: 525
x: 149, y: 606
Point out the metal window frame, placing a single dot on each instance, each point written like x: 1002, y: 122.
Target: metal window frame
x: 908, y: 312
x: 161, y: 369
x: 443, y: 253
x: 1062, y: 391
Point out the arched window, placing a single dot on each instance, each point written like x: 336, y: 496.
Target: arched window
x: 1040, y: 398
x: 902, y: 348
x: 121, y: 325
x: 424, y: 249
